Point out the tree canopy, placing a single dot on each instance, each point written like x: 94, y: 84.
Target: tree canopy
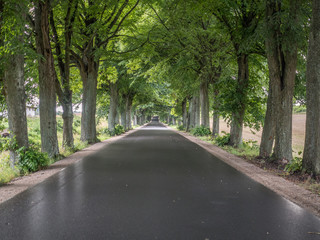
x: 186, y: 61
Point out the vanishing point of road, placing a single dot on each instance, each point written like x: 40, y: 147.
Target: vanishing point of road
x: 153, y: 184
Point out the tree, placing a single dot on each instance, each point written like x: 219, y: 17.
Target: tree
x: 99, y: 22
x: 63, y: 55
x: 282, y: 61
x: 311, y: 155
x: 240, y: 20
x: 47, y: 80
x: 14, y: 84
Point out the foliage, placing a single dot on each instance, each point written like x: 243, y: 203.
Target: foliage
x: 294, y: 166
x: 6, y: 172
x: 222, y: 140
x: 31, y: 160
x: 181, y: 128
x: 7, y: 144
x: 299, y: 109
x: 118, y: 130
x: 200, y: 131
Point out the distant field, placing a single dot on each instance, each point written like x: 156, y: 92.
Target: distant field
x: 298, y: 132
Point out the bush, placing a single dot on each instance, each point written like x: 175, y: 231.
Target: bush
x: 31, y: 160
x: 299, y: 109
x: 222, y: 140
x: 200, y: 131
x: 181, y: 128
x: 118, y: 130
x: 294, y: 166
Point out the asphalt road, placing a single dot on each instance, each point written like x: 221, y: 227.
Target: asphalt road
x: 153, y: 184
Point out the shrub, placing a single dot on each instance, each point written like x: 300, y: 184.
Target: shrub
x: 222, y: 140
x: 294, y: 166
x: 200, y: 131
x: 118, y: 130
x: 181, y: 128
x: 31, y: 160
x: 299, y: 109
x: 77, y: 123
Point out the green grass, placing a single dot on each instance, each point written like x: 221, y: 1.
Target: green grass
x: 7, y: 173
x: 245, y: 150
x: 299, y: 109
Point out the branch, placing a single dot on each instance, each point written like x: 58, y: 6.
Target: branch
x: 120, y: 23
x: 57, y: 47
x: 160, y: 19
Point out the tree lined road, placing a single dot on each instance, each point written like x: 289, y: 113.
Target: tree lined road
x: 153, y: 184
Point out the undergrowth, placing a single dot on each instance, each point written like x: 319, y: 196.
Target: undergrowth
x: 32, y: 159
x: 200, y: 131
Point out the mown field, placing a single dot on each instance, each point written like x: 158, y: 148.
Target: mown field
x: 298, y: 132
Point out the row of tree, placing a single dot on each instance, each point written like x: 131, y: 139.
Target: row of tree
x: 49, y: 45
x: 243, y: 59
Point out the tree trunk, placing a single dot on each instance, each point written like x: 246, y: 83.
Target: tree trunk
x: 216, y: 115
x: 311, y: 155
x: 191, y: 113
x: 67, y: 116
x: 197, y: 111
x: 204, y: 103
x: 113, y: 106
x: 184, y: 113
x: 135, y: 121
x: 16, y: 103
x: 282, y: 64
x: 173, y: 121
x: 124, y: 119
x: 215, y: 124
x: 268, y: 132
x: 238, y: 115
x: 89, y: 75
x: 128, y: 112
x: 63, y: 88
x: 47, y: 78
x: 117, y: 118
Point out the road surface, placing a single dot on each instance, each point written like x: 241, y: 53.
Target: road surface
x: 153, y: 184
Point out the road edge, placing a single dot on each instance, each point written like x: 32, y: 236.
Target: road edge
x: 20, y: 184
x: 290, y: 191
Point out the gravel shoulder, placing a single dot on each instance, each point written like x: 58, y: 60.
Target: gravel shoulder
x: 281, y: 186
x: 20, y: 184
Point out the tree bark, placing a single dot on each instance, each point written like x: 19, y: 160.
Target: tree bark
x: 196, y: 105
x: 238, y: 115
x: 16, y: 103
x: 47, y: 78
x: 268, y: 132
x: 117, y: 118
x: 63, y: 87
x: 216, y: 115
x: 113, y: 106
x: 191, y: 115
x: 67, y: 117
x: 204, y: 103
x: 282, y: 64
x: 129, y: 100
x: 89, y: 75
x: 311, y: 155
x: 184, y: 113
x: 14, y: 89
x: 123, y: 116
